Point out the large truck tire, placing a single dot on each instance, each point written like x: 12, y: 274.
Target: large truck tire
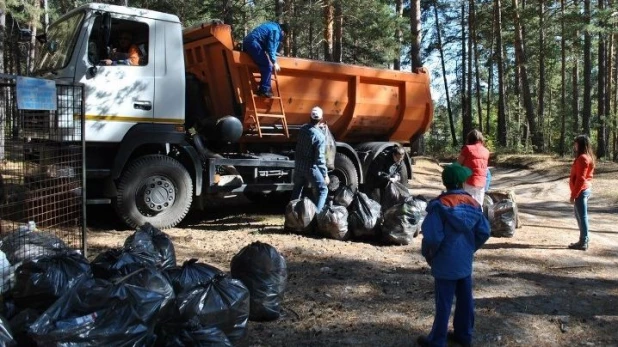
x: 154, y: 189
x: 345, y: 171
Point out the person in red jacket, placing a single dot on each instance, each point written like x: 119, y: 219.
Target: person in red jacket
x: 580, y: 183
x: 475, y: 156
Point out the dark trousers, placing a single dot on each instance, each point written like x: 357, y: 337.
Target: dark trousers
x: 463, y: 323
x: 261, y: 60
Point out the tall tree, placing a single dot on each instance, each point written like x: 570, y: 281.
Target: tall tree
x: 398, y: 35
x: 444, y: 74
x: 542, y: 79
x: 502, y: 138
x: 477, y: 75
x: 415, y: 31
x: 329, y: 20
x: 601, y: 92
x: 563, y: 81
x: 587, y: 107
x: 338, y: 28
x: 466, y: 116
x: 537, y: 135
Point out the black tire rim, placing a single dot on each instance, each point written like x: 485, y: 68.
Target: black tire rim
x: 155, y: 195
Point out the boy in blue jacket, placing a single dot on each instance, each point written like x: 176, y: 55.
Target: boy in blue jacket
x: 453, y: 230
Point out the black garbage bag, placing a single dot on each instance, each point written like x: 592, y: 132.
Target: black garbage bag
x: 41, y: 281
x: 394, y: 193
x: 222, y: 303
x: 299, y: 215
x: 191, y: 333
x: 151, y: 278
x: 97, y: 312
x: 344, y: 196
x: 110, y: 263
x: 401, y: 223
x: 150, y: 240
x: 331, y: 148
x: 264, y: 272
x: 20, y: 325
x: 6, y: 336
x: 25, y: 245
x: 502, y: 218
x: 333, y: 222
x: 364, y: 216
x: 191, y: 274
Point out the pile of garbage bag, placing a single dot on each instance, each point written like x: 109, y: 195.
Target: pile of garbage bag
x: 134, y: 295
x: 353, y: 215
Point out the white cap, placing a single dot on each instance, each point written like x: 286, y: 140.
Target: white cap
x: 316, y: 113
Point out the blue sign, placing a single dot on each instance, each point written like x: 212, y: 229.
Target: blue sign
x: 36, y: 94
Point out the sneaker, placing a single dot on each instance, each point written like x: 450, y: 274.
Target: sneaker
x: 422, y: 341
x: 265, y: 94
x: 451, y: 337
x: 579, y: 245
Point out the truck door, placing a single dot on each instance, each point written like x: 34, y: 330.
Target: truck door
x: 118, y: 76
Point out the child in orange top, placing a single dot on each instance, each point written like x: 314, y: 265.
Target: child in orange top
x: 580, y: 183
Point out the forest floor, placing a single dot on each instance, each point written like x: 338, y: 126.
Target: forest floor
x: 530, y: 290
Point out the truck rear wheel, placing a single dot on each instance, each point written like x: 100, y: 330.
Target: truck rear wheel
x: 154, y: 189
x: 345, y: 171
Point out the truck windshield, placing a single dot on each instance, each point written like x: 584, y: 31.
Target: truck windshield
x: 56, y: 51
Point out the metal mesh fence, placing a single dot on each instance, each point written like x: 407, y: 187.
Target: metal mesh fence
x: 42, y: 206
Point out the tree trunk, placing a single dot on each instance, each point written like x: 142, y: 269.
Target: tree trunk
x: 444, y: 75
x: 2, y: 100
x: 587, y: 107
x: 466, y: 117
x: 329, y: 19
x: 537, y: 136
x: 563, y: 82
x: 398, y: 35
x: 541, y: 94
x: 477, y: 74
x: 338, y: 49
x: 601, y: 92
x: 501, y: 83
x: 415, y: 28
x: 279, y: 9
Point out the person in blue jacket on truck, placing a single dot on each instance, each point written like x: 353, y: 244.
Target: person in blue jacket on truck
x: 262, y: 44
x: 453, y: 230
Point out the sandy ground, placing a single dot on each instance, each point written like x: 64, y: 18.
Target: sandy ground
x: 530, y: 290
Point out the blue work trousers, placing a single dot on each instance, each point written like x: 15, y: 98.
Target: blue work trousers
x: 463, y: 323
x: 315, y: 177
x: 581, y: 214
x: 257, y: 53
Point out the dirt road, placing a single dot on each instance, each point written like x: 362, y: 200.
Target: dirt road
x: 530, y: 290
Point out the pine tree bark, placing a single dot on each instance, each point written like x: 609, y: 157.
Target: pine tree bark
x: 415, y: 28
x: 398, y: 35
x: 2, y: 100
x: 477, y: 75
x: 563, y: 108
x: 537, y: 135
x: 601, y: 92
x: 502, y: 138
x: 444, y: 75
x: 338, y: 28
x: 466, y: 116
x: 542, y: 79
x: 587, y: 107
x: 329, y: 20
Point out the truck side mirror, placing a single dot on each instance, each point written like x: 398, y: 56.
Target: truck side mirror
x: 92, y: 71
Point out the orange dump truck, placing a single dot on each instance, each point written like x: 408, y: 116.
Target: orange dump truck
x: 182, y: 123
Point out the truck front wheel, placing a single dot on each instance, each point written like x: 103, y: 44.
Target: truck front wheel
x: 156, y: 189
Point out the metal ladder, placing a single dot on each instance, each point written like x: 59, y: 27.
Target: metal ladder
x: 280, y: 116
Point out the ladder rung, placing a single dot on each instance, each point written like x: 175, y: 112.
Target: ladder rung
x: 264, y: 97
x: 270, y: 115
x: 273, y: 134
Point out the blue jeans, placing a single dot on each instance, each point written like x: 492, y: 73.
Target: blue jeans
x: 463, y: 323
x: 260, y: 58
x: 581, y: 214
x: 315, y: 177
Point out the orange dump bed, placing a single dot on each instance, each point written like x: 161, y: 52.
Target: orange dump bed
x: 360, y: 104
